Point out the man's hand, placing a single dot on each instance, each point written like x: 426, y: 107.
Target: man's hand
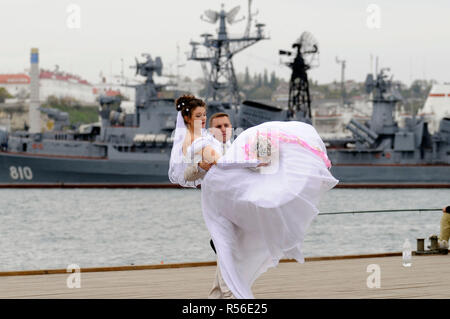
x: 263, y: 164
x: 205, y: 165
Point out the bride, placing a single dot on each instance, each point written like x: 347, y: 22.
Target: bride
x: 260, y: 197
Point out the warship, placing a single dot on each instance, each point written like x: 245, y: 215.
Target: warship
x: 382, y: 154
x: 122, y: 149
x: 133, y: 149
x: 379, y: 153
x: 222, y: 91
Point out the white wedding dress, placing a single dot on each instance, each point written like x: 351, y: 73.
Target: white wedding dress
x: 258, y: 216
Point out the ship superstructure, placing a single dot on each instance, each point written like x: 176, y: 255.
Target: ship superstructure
x: 380, y: 152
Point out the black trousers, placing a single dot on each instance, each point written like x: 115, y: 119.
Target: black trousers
x: 212, y: 246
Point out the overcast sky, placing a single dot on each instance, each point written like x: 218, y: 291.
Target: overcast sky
x: 411, y: 37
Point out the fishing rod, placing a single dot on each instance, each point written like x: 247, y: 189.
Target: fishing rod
x: 384, y: 211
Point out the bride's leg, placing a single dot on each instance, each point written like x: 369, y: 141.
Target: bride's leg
x: 215, y: 292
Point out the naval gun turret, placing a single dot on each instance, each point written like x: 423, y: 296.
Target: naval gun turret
x: 382, y: 152
x: 60, y: 119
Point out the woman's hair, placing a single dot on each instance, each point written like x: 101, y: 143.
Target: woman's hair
x: 187, y: 104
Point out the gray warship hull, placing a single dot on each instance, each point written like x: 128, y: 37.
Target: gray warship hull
x: 36, y: 170
x: 25, y: 170
x: 392, y: 175
x: 122, y: 149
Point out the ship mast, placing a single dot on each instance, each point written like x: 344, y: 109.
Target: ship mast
x: 217, y: 62
x: 306, y: 51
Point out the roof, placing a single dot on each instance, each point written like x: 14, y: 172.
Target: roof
x: 62, y: 76
x: 22, y: 78
x: 14, y: 79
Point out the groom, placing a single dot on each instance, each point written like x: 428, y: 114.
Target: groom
x: 219, y: 126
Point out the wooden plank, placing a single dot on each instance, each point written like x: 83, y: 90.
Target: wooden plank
x: 179, y: 265
x: 342, y: 278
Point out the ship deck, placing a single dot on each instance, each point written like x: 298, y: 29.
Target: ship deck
x: 329, y: 277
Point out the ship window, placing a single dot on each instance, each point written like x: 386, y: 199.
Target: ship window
x: 24, y: 147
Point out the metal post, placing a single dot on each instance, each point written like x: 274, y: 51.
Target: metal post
x: 420, y: 244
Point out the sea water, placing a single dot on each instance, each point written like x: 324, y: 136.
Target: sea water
x: 54, y: 228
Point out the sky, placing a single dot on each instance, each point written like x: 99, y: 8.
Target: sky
x: 89, y: 37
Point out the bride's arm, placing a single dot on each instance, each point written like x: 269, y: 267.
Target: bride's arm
x: 209, y: 155
x: 198, y: 169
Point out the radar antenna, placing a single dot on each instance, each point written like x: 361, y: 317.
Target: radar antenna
x: 146, y: 69
x: 217, y: 62
x: 306, y: 50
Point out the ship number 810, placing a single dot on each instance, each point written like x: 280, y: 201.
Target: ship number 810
x: 20, y: 172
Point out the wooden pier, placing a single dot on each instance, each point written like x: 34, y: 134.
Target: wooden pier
x: 327, y: 277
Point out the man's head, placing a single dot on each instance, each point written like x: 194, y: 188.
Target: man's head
x: 220, y: 126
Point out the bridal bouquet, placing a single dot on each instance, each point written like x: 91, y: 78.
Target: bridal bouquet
x: 261, y: 146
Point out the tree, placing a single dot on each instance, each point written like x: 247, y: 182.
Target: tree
x: 260, y: 93
x: 274, y: 81
x: 247, y: 76
x: 4, y: 94
x: 420, y: 88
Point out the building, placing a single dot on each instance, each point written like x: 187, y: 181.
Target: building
x: 437, y: 106
x: 16, y: 84
x: 61, y: 84
x: 51, y: 83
